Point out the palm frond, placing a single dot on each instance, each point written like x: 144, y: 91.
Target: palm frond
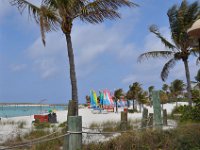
x: 198, y: 61
x: 98, y: 10
x: 155, y: 54
x: 96, y: 16
x: 155, y: 30
x: 48, y: 21
x: 165, y: 71
x: 180, y: 19
x: 32, y: 9
x: 109, y: 4
x: 194, y: 51
x: 44, y: 16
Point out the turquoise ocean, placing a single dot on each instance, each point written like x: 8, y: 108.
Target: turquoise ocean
x: 7, y: 111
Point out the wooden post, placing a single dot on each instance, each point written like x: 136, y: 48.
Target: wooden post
x: 157, y: 109
x: 124, y: 120
x: 144, y: 117
x: 150, y: 122
x: 165, y: 117
x: 71, y: 112
x: 74, y: 140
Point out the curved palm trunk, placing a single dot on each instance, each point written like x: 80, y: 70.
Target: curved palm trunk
x: 72, y: 72
x: 187, y: 73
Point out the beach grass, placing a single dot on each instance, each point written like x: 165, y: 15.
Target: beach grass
x: 184, y: 137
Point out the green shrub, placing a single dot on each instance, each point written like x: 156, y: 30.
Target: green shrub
x: 188, y: 113
x: 191, y: 114
x: 42, y: 125
x: 132, y: 110
x: 183, y: 138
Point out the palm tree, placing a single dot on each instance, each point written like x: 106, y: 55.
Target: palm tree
x: 180, y: 19
x: 165, y: 88
x: 163, y: 98
x: 177, y: 88
x: 150, y: 89
x: 117, y: 95
x: 133, y: 92
x: 142, y: 98
x: 54, y: 14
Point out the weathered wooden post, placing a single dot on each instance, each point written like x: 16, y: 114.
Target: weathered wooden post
x: 165, y: 117
x: 144, y: 117
x: 124, y: 120
x: 150, y: 122
x: 157, y: 109
x: 74, y: 140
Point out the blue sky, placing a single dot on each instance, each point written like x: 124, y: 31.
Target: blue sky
x: 105, y: 54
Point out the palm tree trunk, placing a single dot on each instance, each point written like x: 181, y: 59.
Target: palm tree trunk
x: 133, y: 105
x: 116, y: 107
x: 187, y: 73
x: 72, y: 72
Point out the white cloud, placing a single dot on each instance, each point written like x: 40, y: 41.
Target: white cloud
x: 129, y: 79
x: 47, y: 67
x: 17, y: 67
x: 89, y: 42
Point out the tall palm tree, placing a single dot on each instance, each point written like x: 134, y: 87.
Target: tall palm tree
x: 117, y: 95
x: 180, y: 19
x: 54, y: 14
x: 177, y: 88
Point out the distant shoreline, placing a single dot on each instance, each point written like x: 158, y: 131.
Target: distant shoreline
x: 30, y: 104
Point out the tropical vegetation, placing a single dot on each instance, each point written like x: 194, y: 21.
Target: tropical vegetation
x: 180, y: 48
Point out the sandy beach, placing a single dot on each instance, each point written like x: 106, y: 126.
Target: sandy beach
x: 9, y: 129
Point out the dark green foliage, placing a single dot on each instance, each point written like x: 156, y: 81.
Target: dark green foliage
x: 196, y: 96
x: 42, y: 125
x: 188, y: 113
x: 191, y: 114
x: 132, y: 110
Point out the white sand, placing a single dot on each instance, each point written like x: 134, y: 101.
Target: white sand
x: 8, y: 130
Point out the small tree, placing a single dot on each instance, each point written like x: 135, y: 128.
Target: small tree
x: 150, y: 89
x: 133, y: 92
x: 163, y: 98
x: 177, y: 88
x: 117, y: 95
